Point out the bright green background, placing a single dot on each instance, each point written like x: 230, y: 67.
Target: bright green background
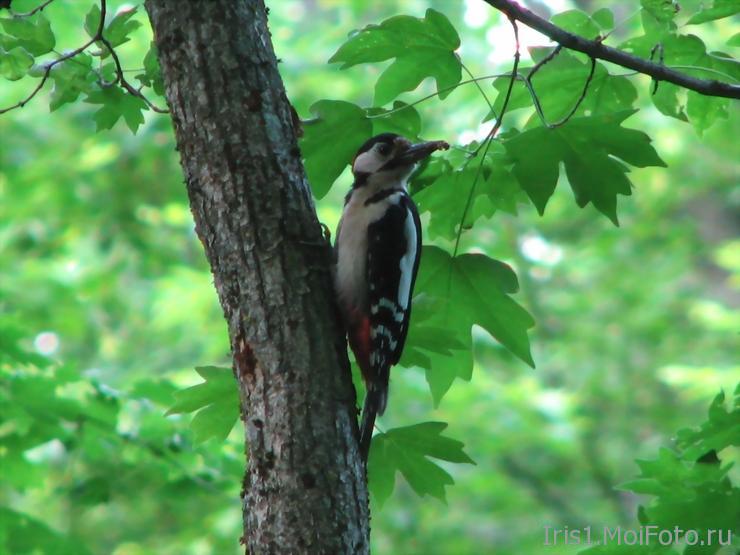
x: 100, y: 269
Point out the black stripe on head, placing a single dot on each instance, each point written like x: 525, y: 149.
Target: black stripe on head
x: 385, y: 193
x: 360, y: 179
x: 389, y: 138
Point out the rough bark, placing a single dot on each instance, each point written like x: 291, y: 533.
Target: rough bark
x: 305, y: 489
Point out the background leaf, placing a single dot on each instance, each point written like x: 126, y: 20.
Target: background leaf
x: 216, y: 400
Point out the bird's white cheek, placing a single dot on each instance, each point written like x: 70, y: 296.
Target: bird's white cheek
x: 366, y: 162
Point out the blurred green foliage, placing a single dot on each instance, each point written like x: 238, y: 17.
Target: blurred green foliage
x: 107, y: 303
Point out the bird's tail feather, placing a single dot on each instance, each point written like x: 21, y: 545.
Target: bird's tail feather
x: 375, y: 402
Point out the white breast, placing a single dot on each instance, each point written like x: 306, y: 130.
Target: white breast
x: 351, y: 273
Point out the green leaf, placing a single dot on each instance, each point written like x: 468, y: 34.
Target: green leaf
x: 402, y: 119
x: 14, y: 63
x: 216, y: 399
x: 421, y: 47
x: 719, y: 10
x: 331, y: 140
x: 407, y: 450
x: 120, y: 26
x: 604, y: 18
x: 559, y: 84
x: 447, y: 195
x: 116, y: 104
x: 32, y: 33
x: 71, y: 78
x: 22, y: 534
x: 12, y: 352
x: 667, y: 99
x: 577, y: 22
x: 93, y: 491
x: 152, y: 76
x: 590, y: 149
x: 92, y: 20
x: 620, y: 548
x: 703, y: 111
x: 734, y: 40
x: 688, y: 51
x: 662, y: 10
x: 721, y: 430
x: 461, y: 292
x: 156, y: 390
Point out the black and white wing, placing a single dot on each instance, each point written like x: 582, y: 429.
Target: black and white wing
x: 394, y: 249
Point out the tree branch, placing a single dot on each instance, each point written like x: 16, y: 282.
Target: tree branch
x: 596, y: 49
x: 99, y: 36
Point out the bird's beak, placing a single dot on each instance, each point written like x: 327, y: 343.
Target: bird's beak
x: 416, y: 153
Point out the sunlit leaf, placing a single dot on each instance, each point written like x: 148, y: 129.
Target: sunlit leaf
x: 577, y: 22
x: 32, y: 33
x: 604, y: 18
x: 421, y: 48
x: 719, y: 10
x: 667, y: 98
x: 14, y: 63
x: 662, y: 10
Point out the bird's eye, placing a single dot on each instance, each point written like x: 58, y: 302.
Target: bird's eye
x: 384, y: 149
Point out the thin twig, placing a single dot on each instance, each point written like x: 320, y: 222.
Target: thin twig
x: 486, y: 144
x: 536, y: 67
x: 121, y: 79
x: 482, y: 92
x: 432, y: 95
x: 97, y: 37
x: 58, y: 61
x: 584, y: 92
x: 596, y: 49
x: 514, y: 75
x: 35, y: 10
x: 471, y: 193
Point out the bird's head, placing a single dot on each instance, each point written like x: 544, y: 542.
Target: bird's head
x: 389, y: 159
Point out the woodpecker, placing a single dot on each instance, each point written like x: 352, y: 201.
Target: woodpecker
x: 378, y: 247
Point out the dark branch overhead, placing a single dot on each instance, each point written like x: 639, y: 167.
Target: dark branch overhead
x: 596, y: 49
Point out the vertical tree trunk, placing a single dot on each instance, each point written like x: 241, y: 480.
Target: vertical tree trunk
x: 305, y: 489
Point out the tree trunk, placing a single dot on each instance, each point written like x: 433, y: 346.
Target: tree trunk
x: 305, y: 489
